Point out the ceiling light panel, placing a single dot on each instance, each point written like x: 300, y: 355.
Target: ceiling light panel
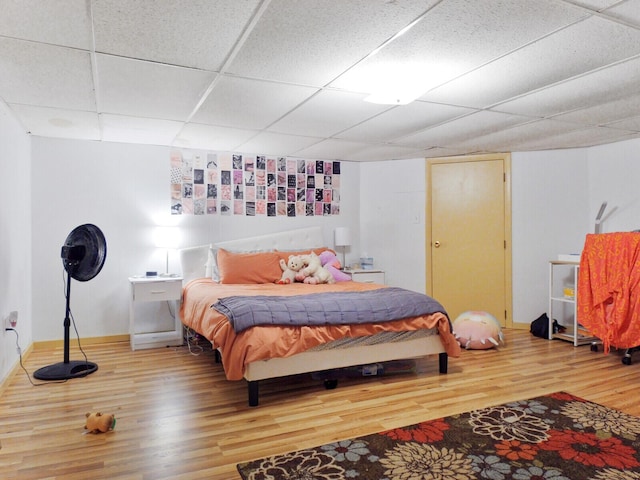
x: 311, y: 42
x: 197, y: 33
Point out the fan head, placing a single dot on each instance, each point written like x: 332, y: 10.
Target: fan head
x: 84, y: 252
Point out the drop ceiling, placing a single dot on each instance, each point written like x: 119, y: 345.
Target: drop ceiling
x: 289, y: 77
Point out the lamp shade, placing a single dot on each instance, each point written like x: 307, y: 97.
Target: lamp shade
x: 342, y: 237
x: 166, y: 237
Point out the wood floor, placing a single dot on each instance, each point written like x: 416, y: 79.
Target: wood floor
x: 178, y: 418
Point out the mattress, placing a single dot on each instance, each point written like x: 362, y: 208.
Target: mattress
x: 266, y: 342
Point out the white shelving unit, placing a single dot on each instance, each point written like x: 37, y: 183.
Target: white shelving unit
x: 573, y: 333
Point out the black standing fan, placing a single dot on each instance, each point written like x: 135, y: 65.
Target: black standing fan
x: 83, y: 255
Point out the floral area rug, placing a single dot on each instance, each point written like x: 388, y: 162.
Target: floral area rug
x: 553, y: 437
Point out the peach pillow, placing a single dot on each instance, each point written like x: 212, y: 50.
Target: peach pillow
x: 285, y: 255
x: 259, y: 267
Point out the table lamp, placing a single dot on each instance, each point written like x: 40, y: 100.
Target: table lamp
x: 342, y: 238
x: 167, y: 238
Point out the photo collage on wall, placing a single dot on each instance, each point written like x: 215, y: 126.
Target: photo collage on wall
x: 209, y: 183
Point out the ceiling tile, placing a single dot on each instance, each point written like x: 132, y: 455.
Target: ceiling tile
x: 144, y: 89
x: 519, y: 135
x: 603, y: 113
x: 59, y: 123
x: 596, y: 5
x: 117, y: 128
x: 311, y: 43
x: 402, y: 120
x: 628, y: 11
x: 457, y: 36
x: 195, y: 135
x: 45, y: 75
x: 583, y: 47
x: 374, y: 153
x: 253, y: 104
x: 197, y: 33
x: 496, y: 69
x: 588, y: 137
x: 459, y: 130
x: 327, y: 113
x: 32, y: 20
x: 277, y: 144
x: 631, y: 124
x: 331, y: 150
x: 601, y: 86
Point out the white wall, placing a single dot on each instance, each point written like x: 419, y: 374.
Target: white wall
x: 15, y: 237
x: 392, y: 222
x: 550, y: 213
x: 124, y: 189
x: 614, y: 177
x: 555, y: 198
x: 53, y: 185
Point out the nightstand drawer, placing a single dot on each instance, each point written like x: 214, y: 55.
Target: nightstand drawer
x: 364, y: 276
x: 155, y: 291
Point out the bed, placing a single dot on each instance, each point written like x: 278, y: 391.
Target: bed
x: 246, y: 268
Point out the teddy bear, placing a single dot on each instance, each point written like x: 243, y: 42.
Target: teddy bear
x: 98, y: 422
x: 476, y: 330
x: 330, y: 261
x: 313, y: 271
x: 290, y: 268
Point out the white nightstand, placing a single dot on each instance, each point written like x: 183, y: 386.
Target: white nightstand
x: 153, y: 312
x: 366, y: 276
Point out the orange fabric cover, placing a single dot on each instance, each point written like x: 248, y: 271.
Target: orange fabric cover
x: 609, y: 288
x: 263, y: 342
x: 257, y: 267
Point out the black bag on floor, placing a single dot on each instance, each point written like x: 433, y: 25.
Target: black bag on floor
x: 540, y: 326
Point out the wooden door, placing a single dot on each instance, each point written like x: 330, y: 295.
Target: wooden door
x: 469, y: 235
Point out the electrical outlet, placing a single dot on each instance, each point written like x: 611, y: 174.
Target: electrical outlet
x: 12, y: 320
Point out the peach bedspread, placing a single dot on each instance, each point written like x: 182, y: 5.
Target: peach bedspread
x: 263, y: 342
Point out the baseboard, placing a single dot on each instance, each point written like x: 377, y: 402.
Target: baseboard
x: 49, y: 344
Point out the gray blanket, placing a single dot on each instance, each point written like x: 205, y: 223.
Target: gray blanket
x: 330, y: 308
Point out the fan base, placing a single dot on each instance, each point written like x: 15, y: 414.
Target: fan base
x: 65, y: 371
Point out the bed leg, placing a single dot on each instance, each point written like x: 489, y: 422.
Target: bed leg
x: 217, y: 356
x: 443, y: 361
x: 253, y: 392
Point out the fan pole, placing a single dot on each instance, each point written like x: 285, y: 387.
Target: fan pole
x: 67, y: 369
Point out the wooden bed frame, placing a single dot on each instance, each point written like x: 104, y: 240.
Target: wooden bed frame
x: 197, y: 262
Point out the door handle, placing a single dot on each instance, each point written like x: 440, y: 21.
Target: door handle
x: 436, y: 244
